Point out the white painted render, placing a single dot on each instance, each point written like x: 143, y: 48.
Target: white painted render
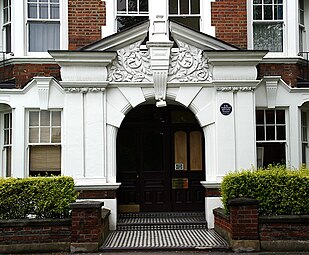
x: 94, y: 104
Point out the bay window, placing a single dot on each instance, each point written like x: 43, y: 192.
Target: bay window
x: 304, y: 136
x: 43, y: 25
x: 270, y: 137
x: 7, y: 25
x: 7, y: 143
x: 44, y: 142
x: 268, y: 25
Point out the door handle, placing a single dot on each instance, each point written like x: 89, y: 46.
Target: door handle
x: 137, y: 176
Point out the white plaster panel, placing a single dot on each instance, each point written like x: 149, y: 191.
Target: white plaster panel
x: 210, y: 153
x: 73, y: 135
x: 56, y: 96
x: 260, y: 96
x: 111, y: 204
x: 245, y: 130
x: 206, y: 115
x: 133, y: 94
x: 187, y: 94
x: 117, y: 100
x: 94, y: 135
x: 210, y: 204
x: 225, y: 135
x: 83, y: 73
x: 234, y: 72
x: 202, y: 99
x: 114, y: 117
x: 294, y: 137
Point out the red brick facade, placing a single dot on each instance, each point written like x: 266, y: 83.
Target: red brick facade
x: 23, y: 73
x: 288, y: 72
x: 85, y: 20
x: 230, y: 19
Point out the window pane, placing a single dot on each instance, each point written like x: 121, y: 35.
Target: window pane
x: 43, y: 11
x: 191, y: 22
x: 143, y: 5
x: 126, y: 22
x: 257, y: 1
x: 45, y: 135
x: 56, y: 118
x: 54, y: 11
x: 270, y: 133
x: 280, y: 117
x: 33, y: 135
x: 32, y: 11
x: 196, y: 151
x: 121, y: 5
x: 8, y: 38
x: 278, y: 14
x: 132, y: 6
x: 56, y: 135
x: 6, y: 121
x: 6, y: 137
x: 270, y: 116
x: 180, y: 148
x: 280, y: 132
x: 45, y: 158
x: 33, y: 118
x: 268, y: 37
x: 44, y: 36
x: 260, y: 135
x: 45, y: 118
x: 195, y: 6
x: 259, y: 117
x: 173, y: 6
x: 184, y: 7
x: 268, y: 1
x: 257, y: 12
x: 268, y: 13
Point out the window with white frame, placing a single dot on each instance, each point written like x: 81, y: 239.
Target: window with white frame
x: 131, y: 12
x: 7, y: 25
x: 186, y: 12
x: 301, y: 23
x: 270, y: 136
x: 44, y: 142
x: 43, y: 25
x: 7, y: 143
x: 304, y: 136
x: 268, y: 25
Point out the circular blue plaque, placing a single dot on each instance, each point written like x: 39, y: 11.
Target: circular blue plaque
x: 226, y: 109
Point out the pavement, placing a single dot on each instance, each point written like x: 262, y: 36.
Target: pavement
x: 176, y: 253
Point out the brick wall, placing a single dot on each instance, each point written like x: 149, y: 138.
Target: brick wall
x: 23, y: 73
x: 230, y: 19
x: 85, y: 21
x: 245, y: 230
x: 288, y: 72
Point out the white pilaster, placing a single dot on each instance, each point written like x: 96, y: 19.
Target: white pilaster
x: 18, y: 28
x: 294, y: 139
x: 210, y: 153
x: 19, y: 161
x: 111, y: 153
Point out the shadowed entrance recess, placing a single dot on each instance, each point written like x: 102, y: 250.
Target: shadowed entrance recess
x: 160, y: 161
x: 163, y: 231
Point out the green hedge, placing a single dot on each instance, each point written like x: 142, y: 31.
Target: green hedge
x: 40, y: 197
x: 279, y: 190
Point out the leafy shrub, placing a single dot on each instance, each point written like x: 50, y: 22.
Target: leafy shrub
x: 280, y: 191
x: 40, y: 197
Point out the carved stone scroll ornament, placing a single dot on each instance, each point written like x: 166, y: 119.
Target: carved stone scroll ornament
x: 83, y: 90
x: 189, y: 64
x: 131, y: 65
x: 235, y: 89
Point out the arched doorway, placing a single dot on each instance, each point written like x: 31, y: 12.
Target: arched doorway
x: 160, y: 160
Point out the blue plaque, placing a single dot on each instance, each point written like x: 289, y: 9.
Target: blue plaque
x: 226, y: 109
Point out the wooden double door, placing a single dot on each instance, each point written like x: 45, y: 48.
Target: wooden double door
x: 160, y: 161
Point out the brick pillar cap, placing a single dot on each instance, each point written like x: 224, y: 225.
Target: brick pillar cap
x: 243, y: 201
x: 87, y: 204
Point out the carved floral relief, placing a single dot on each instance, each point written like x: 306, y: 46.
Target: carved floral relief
x: 188, y: 65
x: 131, y: 65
